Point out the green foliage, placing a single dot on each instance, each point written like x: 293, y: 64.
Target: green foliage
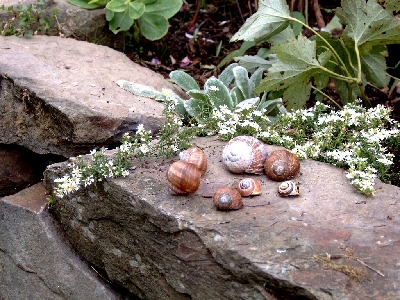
x: 151, y: 15
x: 351, y: 61
x: 232, y: 88
x: 26, y: 19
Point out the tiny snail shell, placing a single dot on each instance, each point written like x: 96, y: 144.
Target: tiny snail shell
x: 281, y: 165
x: 244, y: 154
x: 289, y: 188
x: 195, y: 156
x: 227, y: 198
x: 184, y: 177
x: 249, y: 187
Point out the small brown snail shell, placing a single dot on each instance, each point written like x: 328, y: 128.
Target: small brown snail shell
x: 184, y: 177
x: 195, y: 156
x: 281, y: 165
x: 289, y: 188
x: 248, y: 187
x: 227, y: 198
x: 244, y: 154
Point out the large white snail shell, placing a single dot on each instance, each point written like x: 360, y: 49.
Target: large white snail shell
x: 289, y: 188
x: 244, y: 154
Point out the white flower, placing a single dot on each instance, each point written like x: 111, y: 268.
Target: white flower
x: 140, y: 129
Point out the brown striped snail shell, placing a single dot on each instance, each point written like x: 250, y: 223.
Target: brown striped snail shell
x: 244, y: 154
x: 227, y: 198
x: 281, y: 165
x: 248, y: 187
x: 183, y: 177
x: 289, y: 188
x: 195, y: 156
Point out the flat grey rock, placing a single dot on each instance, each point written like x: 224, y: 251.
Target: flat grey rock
x: 59, y: 95
x: 35, y: 261
x: 72, y: 21
x: 161, y: 246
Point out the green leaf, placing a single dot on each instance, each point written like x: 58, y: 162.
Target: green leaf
x: 256, y: 77
x: 85, y: 4
x: 100, y: 3
x: 271, y: 18
x: 153, y: 26
x: 165, y: 8
x: 374, y: 66
x: 272, y: 107
x: 282, y: 37
x: 391, y: 5
x: 243, y: 82
x: 121, y: 21
x: 184, y: 80
x: 141, y: 90
x: 368, y: 23
x: 136, y: 9
x: 253, y: 62
x: 236, y: 95
x: 197, y: 108
x: 333, y: 24
x: 297, y: 26
x: 117, y: 6
x: 226, y: 75
x: 218, y: 93
x: 293, y: 71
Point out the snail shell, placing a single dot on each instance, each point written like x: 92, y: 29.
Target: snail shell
x: 195, y: 156
x: 227, y: 198
x: 289, y: 188
x: 281, y: 165
x: 184, y: 177
x: 249, y: 187
x: 244, y: 154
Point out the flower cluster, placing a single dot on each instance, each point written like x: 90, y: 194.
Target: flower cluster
x: 87, y: 170
x: 351, y: 138
x: 244, y: 120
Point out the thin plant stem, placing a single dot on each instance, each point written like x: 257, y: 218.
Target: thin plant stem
x: 327, y: 96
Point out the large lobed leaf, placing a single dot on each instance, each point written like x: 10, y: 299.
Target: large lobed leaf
x: 293, y: 71
x: 368, y: 22
x: 271, y: 18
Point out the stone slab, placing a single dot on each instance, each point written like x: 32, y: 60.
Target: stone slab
x: 35, y: 261
x: 59, y: 95
x: 180, y: 247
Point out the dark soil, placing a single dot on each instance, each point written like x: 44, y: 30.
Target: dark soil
x: 192, y: 45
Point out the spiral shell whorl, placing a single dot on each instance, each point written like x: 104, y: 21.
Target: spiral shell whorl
x: 289, y: 188
x: 249, y: 187
x: 244, y: 154
x: 281, y: 165
x: 227, y: 198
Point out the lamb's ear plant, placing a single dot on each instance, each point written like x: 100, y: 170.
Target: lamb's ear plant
x: 303, y: 65
x: 233, y: 87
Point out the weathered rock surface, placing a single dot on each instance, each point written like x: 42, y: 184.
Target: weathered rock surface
x: 59, y: 95
x: 75, y: 22
x: 21, y: 168
x: 16, y: 171
x: 179, y: 247
x: 35, y: 261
